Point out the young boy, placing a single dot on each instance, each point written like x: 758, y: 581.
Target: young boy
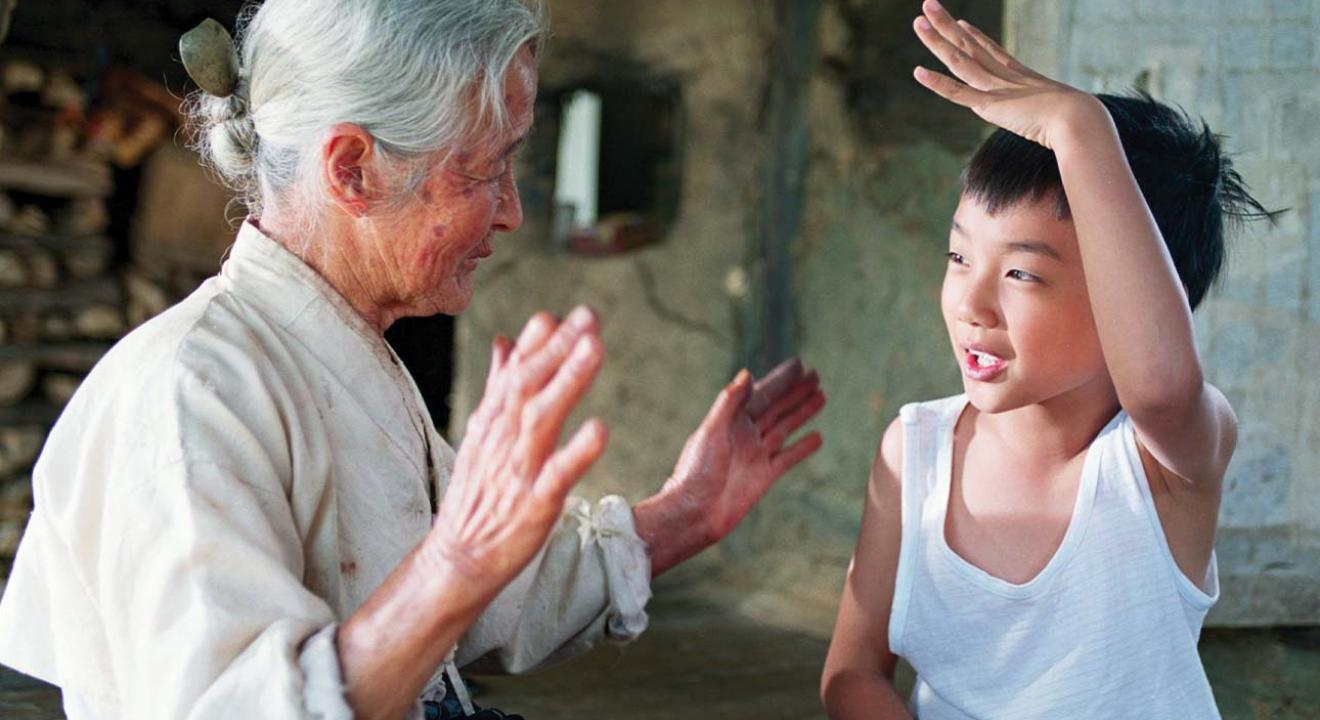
x: 1042, y: 546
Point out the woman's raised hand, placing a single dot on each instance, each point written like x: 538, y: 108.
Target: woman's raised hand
x: 740, y: 449
x: 510, y: 481
x: 993, y: 84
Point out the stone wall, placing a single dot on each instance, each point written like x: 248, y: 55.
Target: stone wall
x: 817, y: 185
x: 1249, y: 67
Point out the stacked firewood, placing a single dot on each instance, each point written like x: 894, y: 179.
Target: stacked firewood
x: 64, y: 297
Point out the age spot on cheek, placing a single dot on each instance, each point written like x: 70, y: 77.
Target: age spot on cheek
x: 438, y: 231
x: 427, y: 257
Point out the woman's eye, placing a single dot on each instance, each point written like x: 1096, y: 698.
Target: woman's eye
x: 955, y: 258
x: 1023, y: 276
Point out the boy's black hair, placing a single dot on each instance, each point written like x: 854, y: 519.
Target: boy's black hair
x: 1189, y: 184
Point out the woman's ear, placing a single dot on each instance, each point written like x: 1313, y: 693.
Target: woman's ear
x: 345, y: 159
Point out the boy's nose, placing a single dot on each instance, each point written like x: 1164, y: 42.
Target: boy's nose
x: 979, y: 305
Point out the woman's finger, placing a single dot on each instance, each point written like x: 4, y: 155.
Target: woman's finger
x: 784, y: 460
x: 534, y: 370
x: 767, y: 389
x: 538, y: 329
x: 786, y: 403
x: 544, y: 414
x: 787, y: 425
x: 491, y: 400
x: 948, y: 88
x: 962, y: 65
x: 567, y: 465
x: 732, y: 398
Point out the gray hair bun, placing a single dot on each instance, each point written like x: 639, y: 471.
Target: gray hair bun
x: 226, y: 132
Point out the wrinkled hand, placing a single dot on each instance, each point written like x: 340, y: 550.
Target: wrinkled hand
x: 738, y: 451
x: 509, y: 482
x: 994, y: 84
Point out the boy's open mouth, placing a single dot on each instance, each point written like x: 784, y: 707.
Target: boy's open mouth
x: 981, y: 365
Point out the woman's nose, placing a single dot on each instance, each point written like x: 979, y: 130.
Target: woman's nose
x: 509, y: 215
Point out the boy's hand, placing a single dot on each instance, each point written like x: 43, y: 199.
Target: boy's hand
x: 995, y: 85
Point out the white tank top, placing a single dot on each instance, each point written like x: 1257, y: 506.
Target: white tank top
x: 1107, y: 629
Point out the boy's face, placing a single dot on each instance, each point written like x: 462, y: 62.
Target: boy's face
x: 1015, y: 304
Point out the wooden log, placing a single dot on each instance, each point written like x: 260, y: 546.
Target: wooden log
x: 16, y: 381
x: 59, y: 387
x: 65, y: 178
x: 19, y: 76
x: 15, y: 509
x: 13, y: 271
x: 82, y: 216
x: 29, y: 220
x: 24, y: 327
x: 146, y: 299
x: 43, y: 270
x: 56, y: 327
x: 99, y: 322
x: 19, y: 448
x: 88, y: 261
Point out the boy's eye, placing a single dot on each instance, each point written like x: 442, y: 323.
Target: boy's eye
x: 1023, y: 276
x: 955, y: 258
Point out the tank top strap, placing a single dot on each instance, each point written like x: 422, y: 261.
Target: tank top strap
x: 927, y: 432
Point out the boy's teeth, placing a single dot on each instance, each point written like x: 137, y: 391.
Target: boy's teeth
x: 983, y: 360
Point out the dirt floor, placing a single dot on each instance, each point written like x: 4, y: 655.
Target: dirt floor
x: 699, y: 660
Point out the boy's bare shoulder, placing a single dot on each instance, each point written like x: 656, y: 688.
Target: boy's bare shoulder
x: 887, y: 465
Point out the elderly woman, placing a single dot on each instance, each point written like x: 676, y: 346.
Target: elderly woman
x: 245, y: 511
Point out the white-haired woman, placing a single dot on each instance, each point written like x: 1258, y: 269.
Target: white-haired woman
x: 245, y: 511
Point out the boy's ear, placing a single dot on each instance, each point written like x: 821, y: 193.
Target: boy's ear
x: 345, y: 159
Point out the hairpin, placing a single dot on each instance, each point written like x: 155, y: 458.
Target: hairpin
x: 210, y: 58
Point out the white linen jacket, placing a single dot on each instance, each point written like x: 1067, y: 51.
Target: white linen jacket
x: 234, y: 478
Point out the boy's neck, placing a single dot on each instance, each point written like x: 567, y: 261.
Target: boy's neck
x: 1058, y: 429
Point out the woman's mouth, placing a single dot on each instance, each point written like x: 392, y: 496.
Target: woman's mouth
x: 982, y: 366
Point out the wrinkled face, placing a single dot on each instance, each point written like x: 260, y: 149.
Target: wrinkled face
x: 1015, y: 304
x: 449, y: 226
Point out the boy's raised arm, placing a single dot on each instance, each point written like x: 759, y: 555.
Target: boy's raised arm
x: 859, y: 671
x: 1140, y: 307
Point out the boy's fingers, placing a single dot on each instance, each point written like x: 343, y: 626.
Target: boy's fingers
x: 962, y: 65
x: 946, y: 87
x: 993, y: 49
x: 956, y: 32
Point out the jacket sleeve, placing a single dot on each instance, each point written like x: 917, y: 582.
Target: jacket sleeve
x: 203, y: 603
x: 171, y: 528
x: 592, y: 579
